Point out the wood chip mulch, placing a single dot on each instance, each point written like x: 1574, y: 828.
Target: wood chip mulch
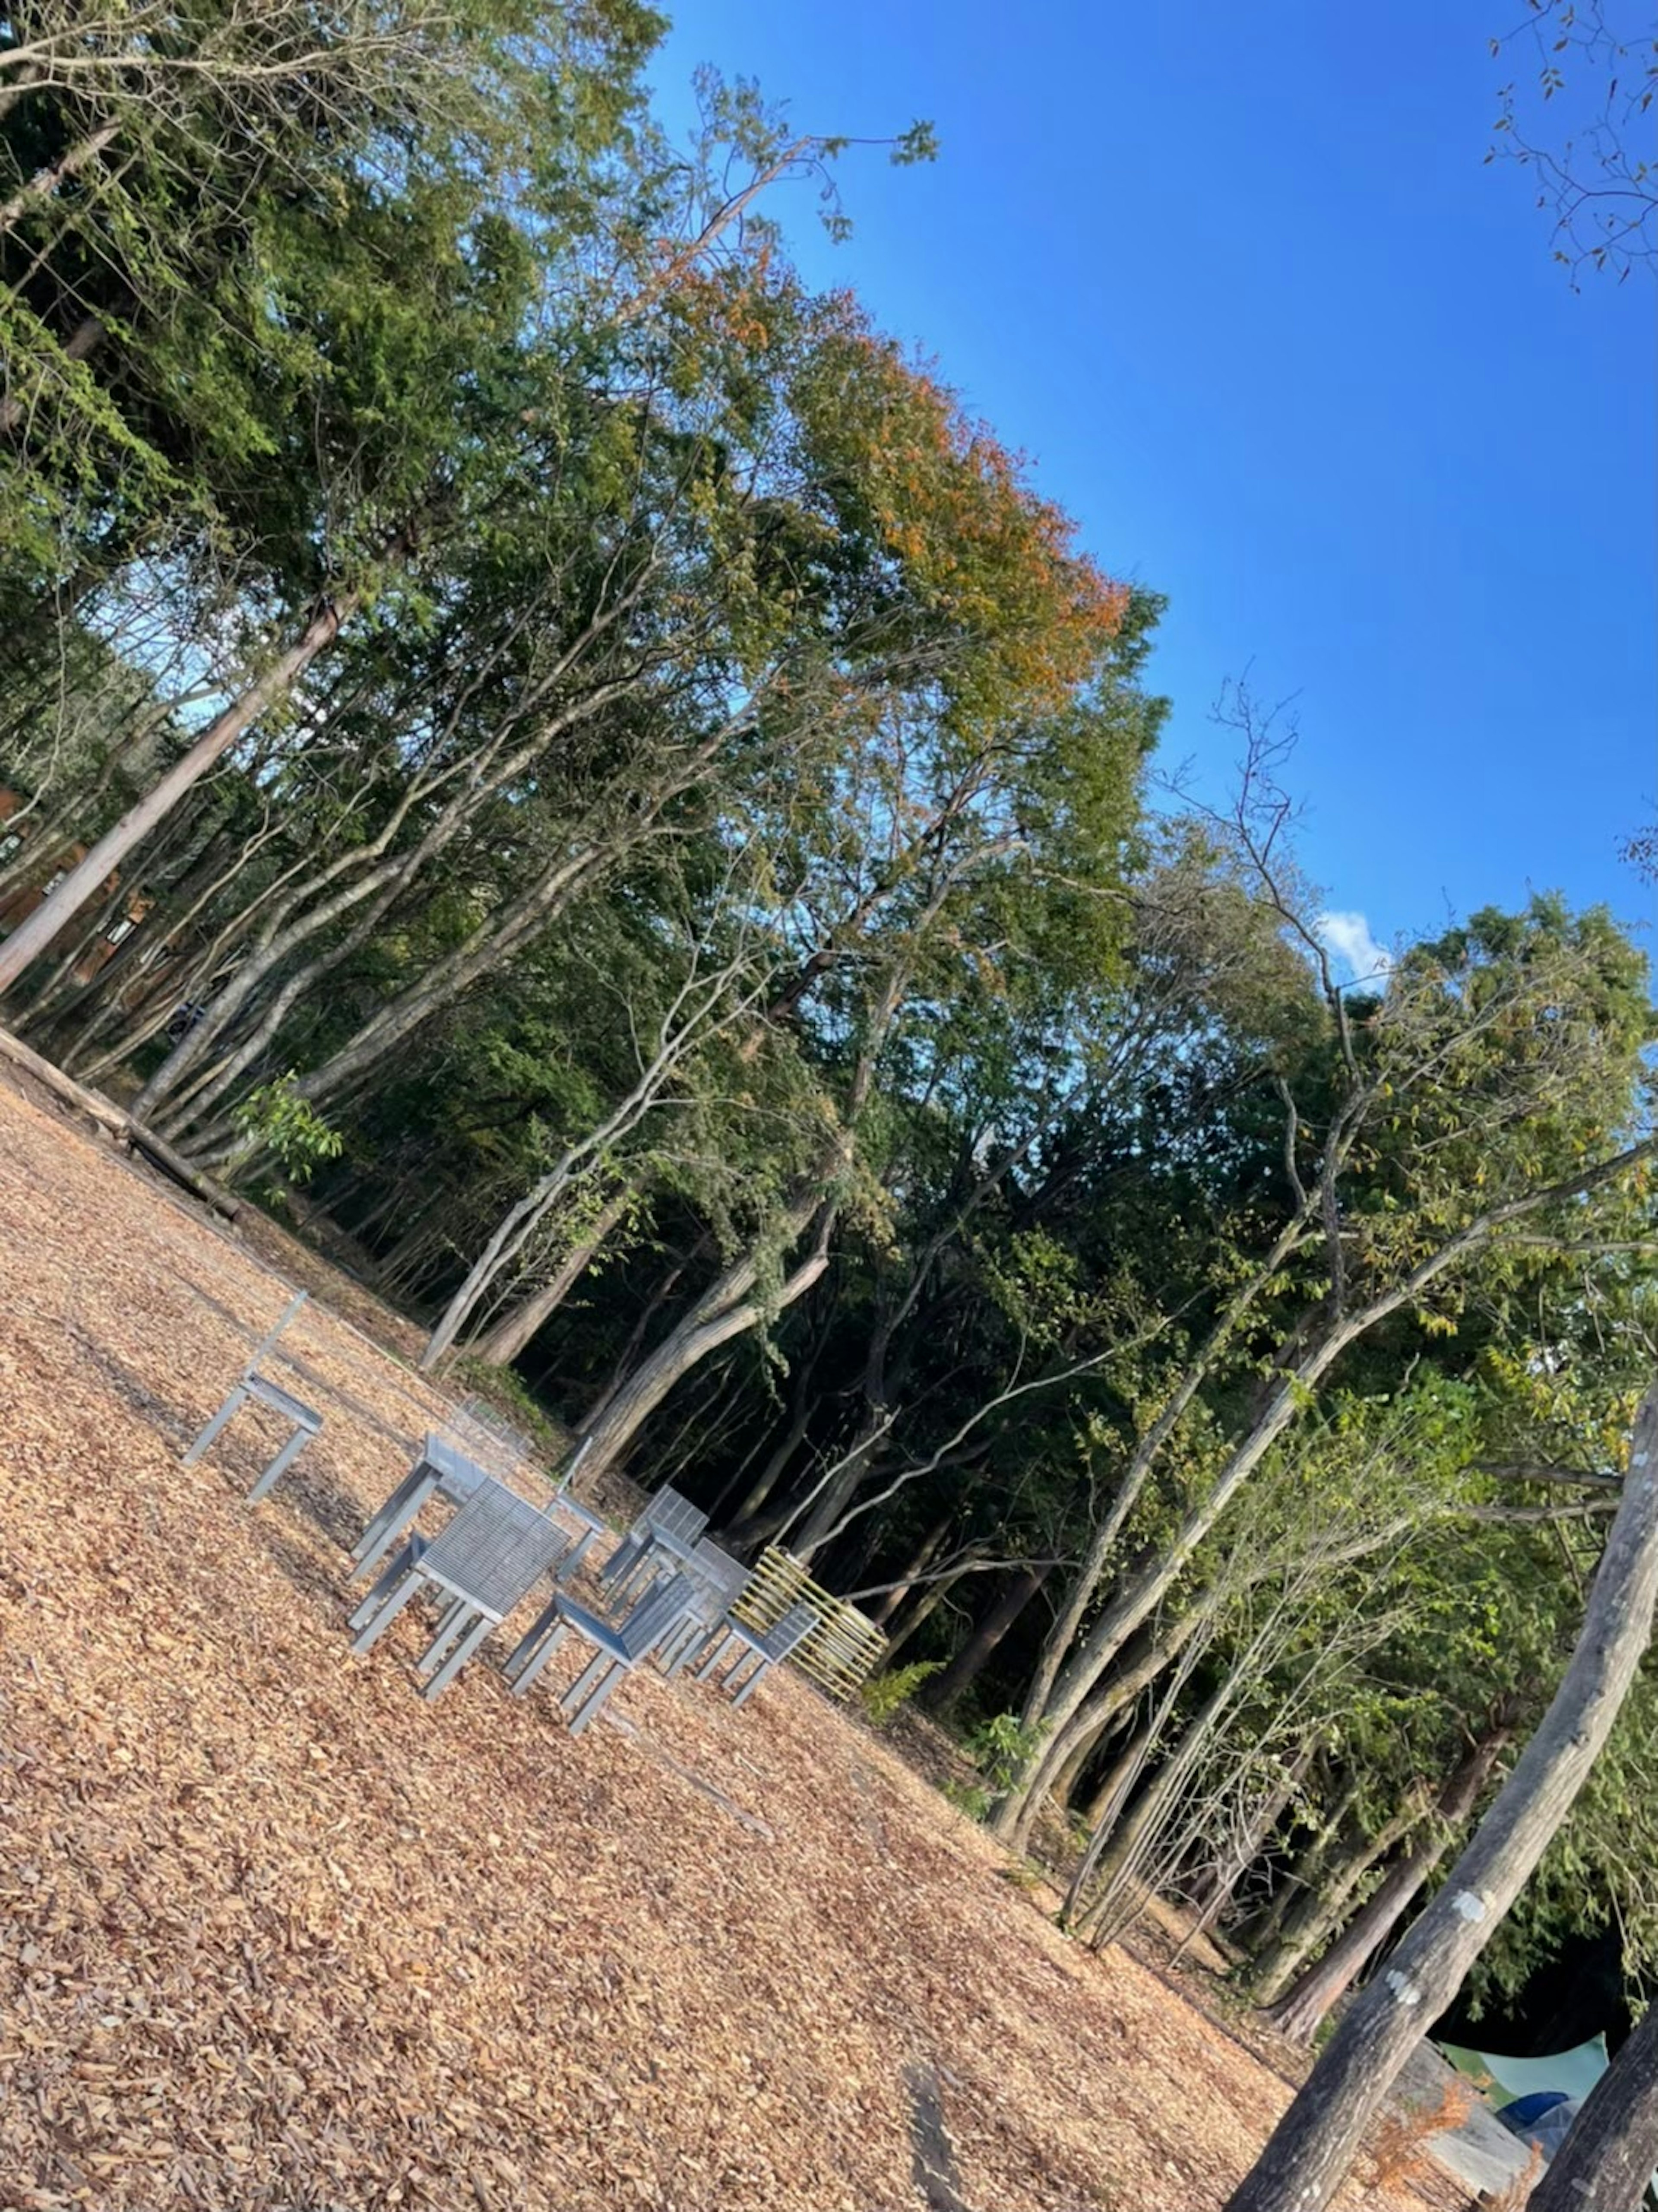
x: 276, y: 1934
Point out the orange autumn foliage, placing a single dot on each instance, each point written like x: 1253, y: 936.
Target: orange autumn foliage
x: 954, y: 508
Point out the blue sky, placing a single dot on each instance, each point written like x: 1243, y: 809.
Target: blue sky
x: 1239, y: 283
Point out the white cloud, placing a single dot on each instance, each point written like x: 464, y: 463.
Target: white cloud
x: 1347, y: 938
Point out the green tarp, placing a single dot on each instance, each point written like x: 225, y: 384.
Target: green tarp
x: 1573, y: 2072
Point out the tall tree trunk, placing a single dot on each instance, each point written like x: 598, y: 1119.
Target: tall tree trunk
x: 1260, y: 1932
x: 931, y: 1597
x: 667, y: 1284
x: 512, y: 1332
x: 823, y: 1515
x: 1607, y: 2160
x: 1067, y: 1624
x: 31, y: 937
x: 1112, y: 1791
x: 1123, y: 1869
x: 743, y: 1529
x: 1312, y: 2145
x: 1299, y: 2013
x: 970, y: 1662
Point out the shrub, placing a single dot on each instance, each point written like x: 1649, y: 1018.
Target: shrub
x: 883, y: 1698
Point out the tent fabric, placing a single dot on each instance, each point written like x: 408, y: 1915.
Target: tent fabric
x: 1574, y: 2073
x: 1545, y: 2119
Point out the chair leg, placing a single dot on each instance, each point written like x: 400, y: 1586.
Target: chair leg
x: 625, y: 1557
x: 712, y: 1652
x: 763, y: 1667
x: 388, y: 1612
x: 221, y: 1419
x: 585, y: 1681
x: 455, y: 1620
x: 681, y: 1650
x: 457, y: 1658
x: 527, y: 1663
x: 279, y: 1465
x: 369, y: 1606
x: 393, y: 1517
x: 572, y: 1558
x: 583, y: 1716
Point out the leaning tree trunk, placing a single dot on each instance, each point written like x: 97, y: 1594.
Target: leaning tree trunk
x: 923, y: 1610
x: 1310, y: 1920
x: 727, y: 1309
x: 1102, y: 1809
x: 513, y: 1333
x: 881, y: 1610
x: 1313, y: 2146
x: 1123, y: 1869
x: 1605, y: 2163
x: 1298, y: 2013
x: 1059, y: 1691
x: 970, y: 1661
x: 32, y: 937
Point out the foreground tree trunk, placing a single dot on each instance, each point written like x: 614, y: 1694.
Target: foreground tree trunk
x: 1607, y: 2160
x: 1313, y: 2145
x: 1299, y: 2013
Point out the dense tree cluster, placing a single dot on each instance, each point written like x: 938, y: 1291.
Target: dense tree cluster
x: 569, y: 762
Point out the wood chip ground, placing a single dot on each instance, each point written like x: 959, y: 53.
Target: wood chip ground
x: 274, y: 1933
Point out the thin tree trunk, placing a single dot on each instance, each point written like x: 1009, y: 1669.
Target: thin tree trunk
x: 1143, y: 1591
x: 1112, y: 1791
x: 1300, y: 2012
x: 882, y: 1610
x: 923, y: 1610
x: 822, y: 1520
x: 1607, y: 2160
x: 1313, y: 2146
x: 737, y: 1528
x: 31, y: 937
x: 1263, y: 1929
x: 970, y: 1662
x: 1072, y: 1613
x: 1113, y: 1904
x: 1215, y: 1893
x: 666, y: 1285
